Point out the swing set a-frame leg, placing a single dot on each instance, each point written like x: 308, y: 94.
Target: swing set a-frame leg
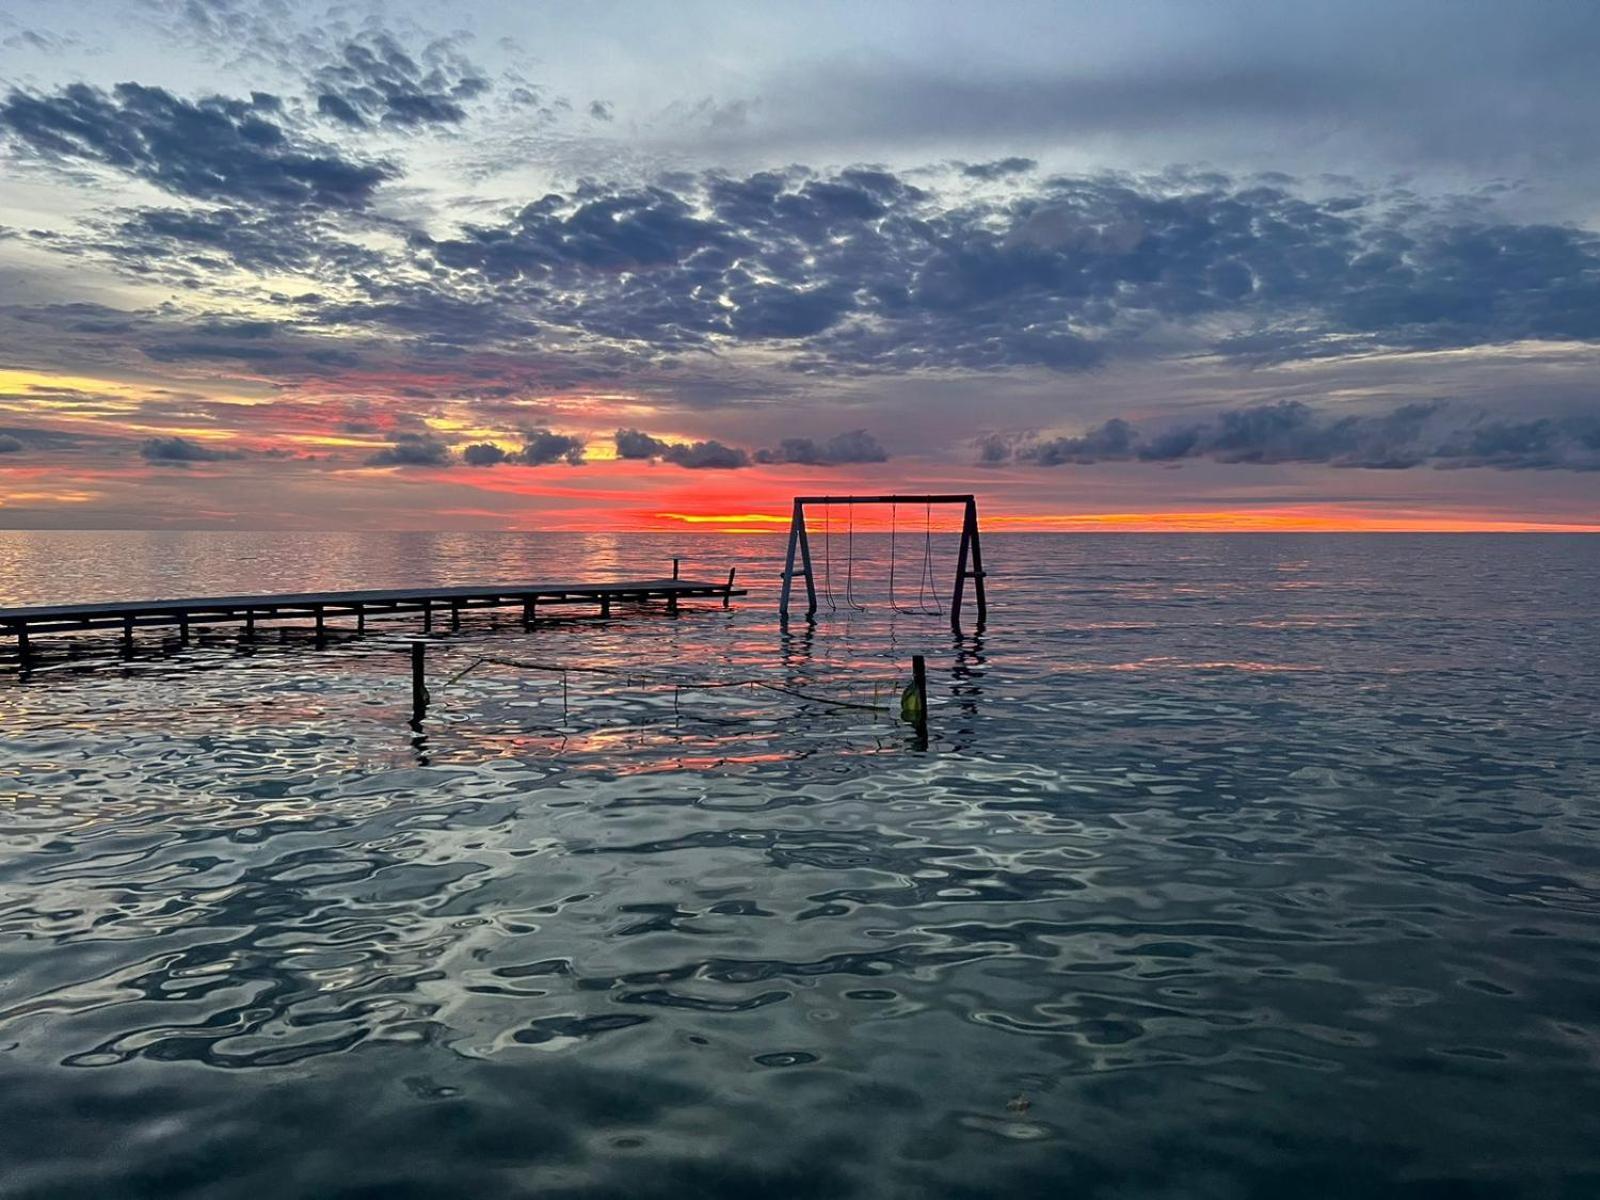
x: 971, y: 551
x: 798, y: 541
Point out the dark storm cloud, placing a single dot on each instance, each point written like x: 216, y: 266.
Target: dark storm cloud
x: 375, y: 82
x: 182, y: 450
x: 631, y: 443
x: 412, y: 450
x: 215, y: 148
x: 1113, y: 440
x: 709, y: 454
x: 482, y: 454
x: 857, y: 446
x: 541, y: 446
x: 1435, y: 433
x: 994, y: 449
x: 9, y: 444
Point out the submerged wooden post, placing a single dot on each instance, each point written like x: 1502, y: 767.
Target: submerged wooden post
x: 672, y: 602
x: 249, y: 624
x: 183, y: 629
x: 527, y: 612
x: 419, y: 689
x: 322, y: 629
x: 22, y: 646
x: 361, y: 618
x: 919, y: 683
x: 427, y: 616
x: 127, y: 637
x: 605, y: 606
x: 727, y: 595
x: 674, y: 568
x: 455, y: 615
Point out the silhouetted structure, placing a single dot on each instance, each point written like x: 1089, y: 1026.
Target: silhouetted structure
x: 129, y: 616
x: 969, y: 559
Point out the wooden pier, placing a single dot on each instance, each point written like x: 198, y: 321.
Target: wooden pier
x: 443, y: 603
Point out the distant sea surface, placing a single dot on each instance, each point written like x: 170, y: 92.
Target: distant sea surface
x: 1258, y: 866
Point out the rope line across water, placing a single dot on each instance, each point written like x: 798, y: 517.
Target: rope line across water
x: 641, y: 677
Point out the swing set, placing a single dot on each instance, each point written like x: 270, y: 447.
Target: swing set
x: 971, y: 552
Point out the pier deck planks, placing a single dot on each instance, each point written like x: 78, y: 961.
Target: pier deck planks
x: 210, y: 610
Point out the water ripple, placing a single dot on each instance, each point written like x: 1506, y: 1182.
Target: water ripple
x: 1237, y: 867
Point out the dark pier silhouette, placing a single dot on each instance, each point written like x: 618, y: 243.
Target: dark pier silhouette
x: 433, y: 604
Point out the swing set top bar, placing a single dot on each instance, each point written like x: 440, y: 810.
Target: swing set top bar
x: 943, y: 499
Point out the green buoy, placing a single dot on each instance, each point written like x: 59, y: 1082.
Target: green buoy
x: 911, y: 706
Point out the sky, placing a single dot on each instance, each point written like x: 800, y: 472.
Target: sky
x: 1233, y: 265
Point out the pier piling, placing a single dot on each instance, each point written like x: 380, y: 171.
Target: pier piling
x: 419, y: 687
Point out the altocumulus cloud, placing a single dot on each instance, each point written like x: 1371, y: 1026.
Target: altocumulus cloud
x: 375, y: 82
x: 862, y: 271
x: 215, y: 148
x: 1435, y: 433
x: 850, y: 272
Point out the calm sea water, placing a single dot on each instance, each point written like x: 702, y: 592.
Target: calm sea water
x: 1237, y: 867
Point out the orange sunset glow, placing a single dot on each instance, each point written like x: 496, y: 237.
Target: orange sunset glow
x: 316, y: 317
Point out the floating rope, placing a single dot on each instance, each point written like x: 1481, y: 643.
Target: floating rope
x: 676, y: 682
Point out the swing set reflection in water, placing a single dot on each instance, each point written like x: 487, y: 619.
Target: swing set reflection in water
x: 969, y: 559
